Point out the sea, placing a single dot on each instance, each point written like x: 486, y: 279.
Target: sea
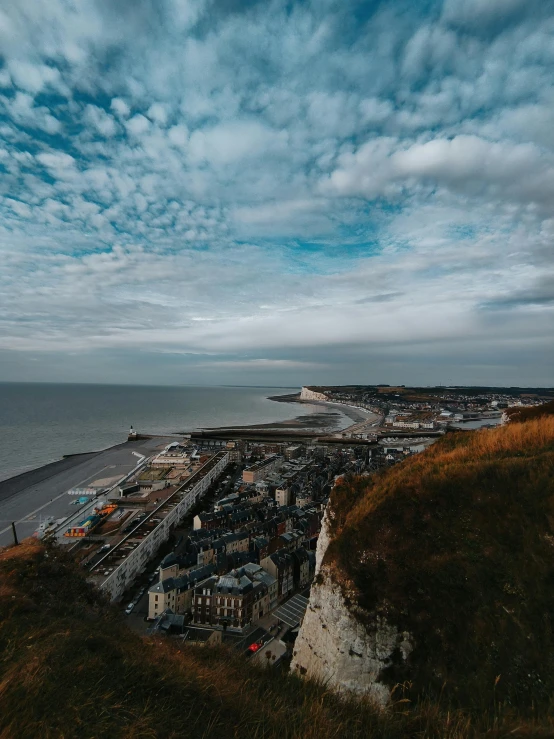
x: 39, y: 423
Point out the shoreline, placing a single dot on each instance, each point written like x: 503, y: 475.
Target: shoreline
x: 330, y: 420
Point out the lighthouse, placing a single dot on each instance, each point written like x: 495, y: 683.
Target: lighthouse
x: 132, y: 434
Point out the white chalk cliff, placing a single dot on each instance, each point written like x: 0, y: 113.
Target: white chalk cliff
x: 307, y: 394
x: 336, y: 647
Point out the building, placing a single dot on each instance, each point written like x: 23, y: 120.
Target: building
x: 293, y: 452
x: 280, y: 565
x: 239, y: 542
x: 129, y: 557
x: 174, y: 455
x: 209, y: 520
x: 176, y: 593
x: 225, y: 601
x: 235, y: 449
x: 272, y: 586
x: 283, y: 496
x: 301, y: 567
x: 261, y: 469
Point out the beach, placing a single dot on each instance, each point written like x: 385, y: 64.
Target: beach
x: 324, y: 416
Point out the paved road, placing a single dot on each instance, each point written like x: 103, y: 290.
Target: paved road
x: 276, y: 648
x: 48, y: 497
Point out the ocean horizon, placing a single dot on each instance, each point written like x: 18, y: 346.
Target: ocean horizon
x: 42, y: 422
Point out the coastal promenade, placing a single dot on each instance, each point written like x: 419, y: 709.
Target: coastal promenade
x: 33, y: 496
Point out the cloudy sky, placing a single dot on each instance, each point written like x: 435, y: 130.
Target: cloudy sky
x: 277, y: 192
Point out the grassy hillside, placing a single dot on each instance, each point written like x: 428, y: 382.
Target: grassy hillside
x: 456, y: 546
x: 69, y: 667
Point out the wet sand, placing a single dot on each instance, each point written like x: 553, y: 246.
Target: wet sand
x: 332, y: 418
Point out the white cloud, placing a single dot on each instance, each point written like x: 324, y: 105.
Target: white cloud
x: 33, y: 77
x: 231, y: 142
x: 158, y: 113
x: 21, y: 209
x: 137, y: 125
x: 56, y: 160
x: 508, y: 171
x: 178, y: 135
x: 21, y: 108
x: 100, y: 120
x: 120, y: 107
x: 5, y: 78
x: 475, y: 12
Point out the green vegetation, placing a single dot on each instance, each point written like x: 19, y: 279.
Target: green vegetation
x: 456, y: 546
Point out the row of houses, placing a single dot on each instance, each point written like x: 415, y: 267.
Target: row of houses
x: 237, y: 598
x: 248, y: 553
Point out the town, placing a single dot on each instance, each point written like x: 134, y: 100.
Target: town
x: 216, y: 539
x: 425, y: 409
x: 212, y: 536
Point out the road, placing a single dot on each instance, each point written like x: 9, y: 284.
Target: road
x: 40, y: 498
x: 275, y: 647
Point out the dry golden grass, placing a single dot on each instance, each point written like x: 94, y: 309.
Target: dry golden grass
x: 69, y: 667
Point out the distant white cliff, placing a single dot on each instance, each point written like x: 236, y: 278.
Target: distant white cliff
x: 307, y: 394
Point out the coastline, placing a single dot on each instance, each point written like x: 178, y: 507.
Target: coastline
x: 42, y: 424
x: 333, y: 418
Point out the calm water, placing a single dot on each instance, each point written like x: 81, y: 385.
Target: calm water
x: 41, y: 422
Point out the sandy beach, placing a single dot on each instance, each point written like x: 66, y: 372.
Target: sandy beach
x: 332, y: 418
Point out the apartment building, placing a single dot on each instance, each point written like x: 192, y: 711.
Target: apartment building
x: 280, y: 565
x: 259, y: 470
x: 225, y: 601
x: 176, y: 592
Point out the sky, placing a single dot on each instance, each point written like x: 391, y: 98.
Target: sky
x: 277, y: 192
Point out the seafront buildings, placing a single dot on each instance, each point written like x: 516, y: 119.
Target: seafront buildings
x: 238, y: 557
x: 247, y: 512
x: 270, y: 517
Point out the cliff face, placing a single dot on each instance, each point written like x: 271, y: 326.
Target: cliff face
x: 437, y: 574
x: 307, y: 394
x: 335, y: 647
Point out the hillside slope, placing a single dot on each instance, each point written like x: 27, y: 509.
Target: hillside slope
x: 521, y: 414
x: 440, y: 572
x: 70, y: 667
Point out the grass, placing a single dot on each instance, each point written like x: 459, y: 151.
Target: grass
x: 517, y: 414
x: 70, y: 667
x: 456, y: 546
